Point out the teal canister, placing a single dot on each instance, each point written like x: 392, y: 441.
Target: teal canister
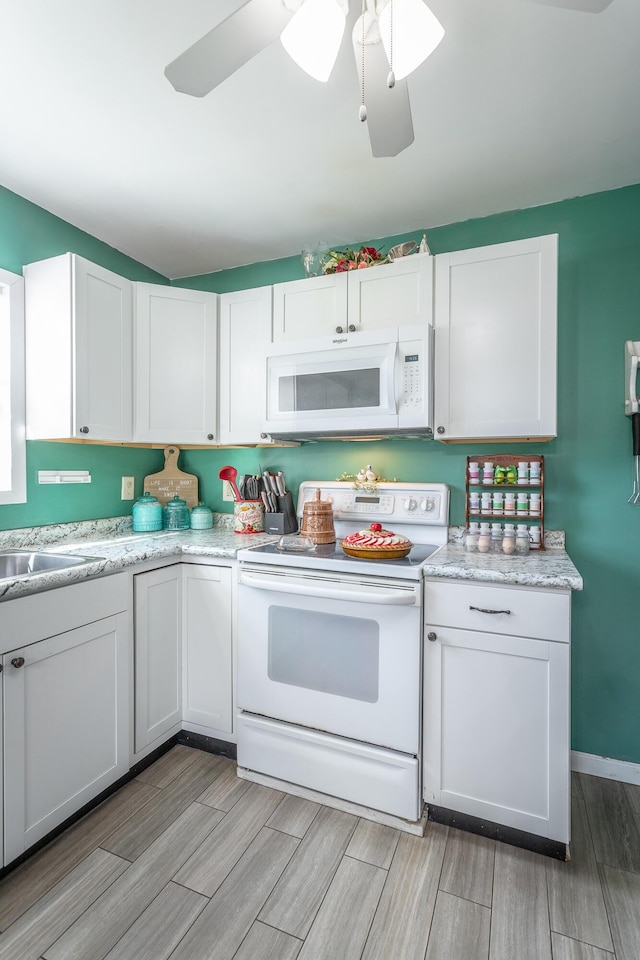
x: 176, y: 514
x: 201, y: 517
x: 147, y: 514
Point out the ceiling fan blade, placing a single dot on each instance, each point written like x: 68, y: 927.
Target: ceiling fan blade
x: 228, y: 46
x: 388, y: 111
x: 586, y: 6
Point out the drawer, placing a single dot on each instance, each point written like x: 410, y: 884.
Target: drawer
x: 518, y: 611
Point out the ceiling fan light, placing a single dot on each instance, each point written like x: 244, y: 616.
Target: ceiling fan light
x: 416, y: 34
x: 313, y: 36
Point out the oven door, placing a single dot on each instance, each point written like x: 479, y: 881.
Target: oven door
x: 336, y: 654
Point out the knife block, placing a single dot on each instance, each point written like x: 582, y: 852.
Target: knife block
x: 285, y: 520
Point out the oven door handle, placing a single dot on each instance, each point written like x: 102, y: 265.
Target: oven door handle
x: 355, y: 592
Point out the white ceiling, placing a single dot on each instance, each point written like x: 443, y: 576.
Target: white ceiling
x: 521, y: 104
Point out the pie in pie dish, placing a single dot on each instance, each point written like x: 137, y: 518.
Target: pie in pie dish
x: 374, y: 543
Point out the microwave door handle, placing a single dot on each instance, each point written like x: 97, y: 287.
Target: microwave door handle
x: 393, y: 374
x: 333, y: 592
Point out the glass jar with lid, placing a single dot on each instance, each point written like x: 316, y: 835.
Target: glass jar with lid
x: 146, y: 514
x: 201, y: 517
x: 176, y: 514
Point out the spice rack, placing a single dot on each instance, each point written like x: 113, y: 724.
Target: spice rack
x: 506, y: 460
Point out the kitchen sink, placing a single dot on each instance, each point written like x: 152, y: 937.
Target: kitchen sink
x: 15, y: 564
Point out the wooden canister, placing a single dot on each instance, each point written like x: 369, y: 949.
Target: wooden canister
x: 317, y: 520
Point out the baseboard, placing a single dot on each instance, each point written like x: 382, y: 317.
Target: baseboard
x: 496, y: 831
x: 605, y: 767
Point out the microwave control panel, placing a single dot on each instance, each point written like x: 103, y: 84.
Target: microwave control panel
x: 411, y: 379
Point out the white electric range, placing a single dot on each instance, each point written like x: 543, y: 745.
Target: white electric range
x: 330, y: 652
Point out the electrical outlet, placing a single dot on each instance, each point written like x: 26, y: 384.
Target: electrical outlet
x: 227, y: 492
x: 126, y: 492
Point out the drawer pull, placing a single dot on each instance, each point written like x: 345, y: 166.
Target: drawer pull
x: 482, y: 610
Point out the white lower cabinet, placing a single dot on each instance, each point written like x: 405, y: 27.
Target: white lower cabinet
x: 207, y: 680
x: 157, y: 656
x: 66, y: 706
x: 496, y: 705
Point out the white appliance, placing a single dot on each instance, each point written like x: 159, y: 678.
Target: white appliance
x: 353, y: 384
x: 330, y: 653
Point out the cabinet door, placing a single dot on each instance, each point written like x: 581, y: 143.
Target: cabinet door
x: 496, y: 728
x: 66, y: 705
x: 206, y: 643
x: 175, y: 400
x: 495, y: 341
x: 245, y: 333
x: 78, y: 350
x: 157, y: 655
x: 314, y: 307
x: 104, y: 350
x: 392, y: 295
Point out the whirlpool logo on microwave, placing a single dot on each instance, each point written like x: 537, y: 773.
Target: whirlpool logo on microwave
x: 339, y: 340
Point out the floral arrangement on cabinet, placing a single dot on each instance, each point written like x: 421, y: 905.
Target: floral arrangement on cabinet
x: 339, y: 261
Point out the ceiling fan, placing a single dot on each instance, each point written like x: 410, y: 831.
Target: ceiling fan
x: 390, y: 39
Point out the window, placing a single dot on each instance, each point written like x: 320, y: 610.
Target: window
x: 12, y: 389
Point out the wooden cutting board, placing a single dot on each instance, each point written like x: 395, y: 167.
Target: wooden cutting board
x: 171, y: 481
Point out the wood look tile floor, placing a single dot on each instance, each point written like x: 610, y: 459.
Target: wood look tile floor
x: 187, y: 862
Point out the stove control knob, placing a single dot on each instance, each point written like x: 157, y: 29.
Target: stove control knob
x: 410, y: 504
x: 427, y: 504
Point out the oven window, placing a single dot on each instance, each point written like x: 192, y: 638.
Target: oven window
x: 324, y: 651
x: 339, y: 390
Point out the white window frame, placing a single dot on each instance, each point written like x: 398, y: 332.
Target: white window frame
x: 12, y: 372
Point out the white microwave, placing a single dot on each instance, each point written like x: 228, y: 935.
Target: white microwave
x: 352, y: 385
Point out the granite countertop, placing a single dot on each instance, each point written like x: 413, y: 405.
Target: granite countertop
x: 113, y: 546
x: 541, y: 568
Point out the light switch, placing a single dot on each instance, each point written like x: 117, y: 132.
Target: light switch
x: 128, y: 484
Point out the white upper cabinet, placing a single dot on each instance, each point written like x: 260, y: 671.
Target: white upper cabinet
x: 78, y: 351
x: 390, y: 295
x: 393, y: 295
x: 495, y: 341
x: 175, y: 365
x: 314, y: 307
x: 245, y: 333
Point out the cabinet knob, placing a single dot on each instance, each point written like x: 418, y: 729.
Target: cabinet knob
x: 209, y: 436
x: 339, y: 330
x: 432, y: 636
x: 84, y: 429
x: 352, y: 328
x: 264, y: 436
x: 439, y: 429
x: 17, y: 662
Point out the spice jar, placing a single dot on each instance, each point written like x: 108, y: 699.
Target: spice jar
x: 496, y: 538
x: 484, y: 540
x: 522, y: 540
x: 487, y: 472
x: 509, y: 539
x: 471, y: 538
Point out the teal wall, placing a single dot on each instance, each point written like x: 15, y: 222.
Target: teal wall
x: 29, y: 233
x: 588, y: 468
